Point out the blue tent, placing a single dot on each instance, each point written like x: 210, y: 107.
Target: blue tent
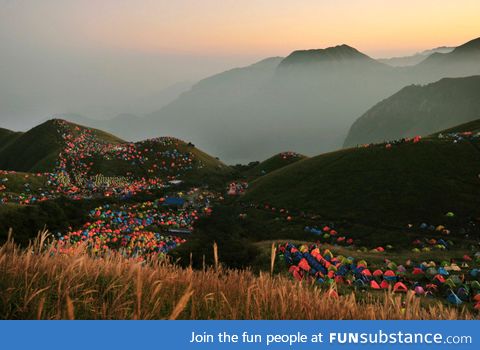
x: 174, y: 201
x: 453, y: 298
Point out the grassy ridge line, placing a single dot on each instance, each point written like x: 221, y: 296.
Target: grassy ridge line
x: 473, y: 126
x: 7, y: 136
x: 272, y: 164
x: 77, y: 286
x: 35, y: 150
x: 409, y: 182
x: 38, y: 149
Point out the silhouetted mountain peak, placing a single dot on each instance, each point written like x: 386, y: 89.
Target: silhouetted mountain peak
x: 340, y: 53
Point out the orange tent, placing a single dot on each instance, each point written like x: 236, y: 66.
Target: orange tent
x: 400, y: 287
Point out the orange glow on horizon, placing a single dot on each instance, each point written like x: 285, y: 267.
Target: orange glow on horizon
x: 257, y: 27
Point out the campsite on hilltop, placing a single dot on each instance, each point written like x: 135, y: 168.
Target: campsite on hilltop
x: 396, y: 217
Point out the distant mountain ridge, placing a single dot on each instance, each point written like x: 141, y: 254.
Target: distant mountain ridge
x: 414, y: 59
x: 469, y: 51
x: 306, y: 101
x: 419, y: 110
x: 121, y: 124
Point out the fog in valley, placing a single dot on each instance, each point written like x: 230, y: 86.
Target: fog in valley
x: 239, y: 106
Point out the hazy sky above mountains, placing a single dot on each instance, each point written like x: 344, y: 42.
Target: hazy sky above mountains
x: 105, y: 57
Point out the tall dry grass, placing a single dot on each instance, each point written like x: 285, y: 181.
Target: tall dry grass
x: 37, y: 284
x: 273, y: 255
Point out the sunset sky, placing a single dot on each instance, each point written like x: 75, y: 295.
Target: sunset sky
x: 242, y: 27
x: 114, y: 49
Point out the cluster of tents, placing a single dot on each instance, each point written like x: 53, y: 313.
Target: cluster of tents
x: 136, y: 230
x: 457, y: 284
x: 167, y: 148
x: 149, y: 166
x: 18, y: 188
x: 237, y: 188
x: 415, y: 139
x: 429, y: 244
x: 3, y: 181
x: 289, y: 155
x: 390, y: 144
x: 460, y: 136
x: 140, y: 153
x: 438, y: 228
x: 285, y: 213
x: 454, y: 136
x: 329, y: 235
x: 159, y: 158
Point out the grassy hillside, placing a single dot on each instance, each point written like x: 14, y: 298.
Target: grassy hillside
x: 37, y: 150
x: 405, y: 183
x: 16, y: 182
x: 86, y: 151
x: 273, y: 163
x: 419, y: 110
x: 7, y: 136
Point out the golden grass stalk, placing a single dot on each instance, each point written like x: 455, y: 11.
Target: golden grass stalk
x: 138, y: 294
x: 215, y: 255
x: 272, y: 258
x: 40, y: 308
x: 182, y: 303
x: 70, y: 309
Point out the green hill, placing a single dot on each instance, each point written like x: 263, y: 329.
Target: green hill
x: 7, y: 136
x: 33, y: 151
x: 273, y: 163
x: 419, y: 110
x: 408, y: 182
x: 57, y: 146
x: 37, y: 150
